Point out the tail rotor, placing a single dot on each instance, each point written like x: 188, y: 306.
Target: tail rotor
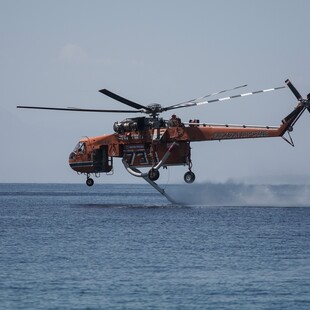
x: 304, y: 102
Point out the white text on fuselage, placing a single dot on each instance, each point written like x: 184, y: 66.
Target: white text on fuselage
x: 240, y: 135
x: 131, y: 137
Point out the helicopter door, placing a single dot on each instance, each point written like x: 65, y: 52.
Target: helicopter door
x: 102, y: 162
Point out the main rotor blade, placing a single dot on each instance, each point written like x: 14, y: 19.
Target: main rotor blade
x: 79, y: 110
x: 293, y: 89
x: 213, y: 94
x: 190, y: 104
x: 122, y: 99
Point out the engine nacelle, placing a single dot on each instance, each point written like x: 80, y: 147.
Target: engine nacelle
x: 125, y: 126
x: 138, y: 123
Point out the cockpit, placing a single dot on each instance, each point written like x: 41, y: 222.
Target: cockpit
x: 86, y: 159
x: 79, y: 149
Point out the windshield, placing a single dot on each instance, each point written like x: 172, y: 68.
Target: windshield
x: 80, y: 148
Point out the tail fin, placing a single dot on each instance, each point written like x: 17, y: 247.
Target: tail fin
x: 290, y: 120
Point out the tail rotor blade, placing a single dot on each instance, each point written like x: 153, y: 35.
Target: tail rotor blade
x: 293, y: 89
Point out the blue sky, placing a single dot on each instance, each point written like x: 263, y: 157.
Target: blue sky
x: 60, y: 53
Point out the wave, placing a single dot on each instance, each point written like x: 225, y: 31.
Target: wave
x: 239, y: 194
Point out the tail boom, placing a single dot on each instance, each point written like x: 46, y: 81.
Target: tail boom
x: 207, y: 132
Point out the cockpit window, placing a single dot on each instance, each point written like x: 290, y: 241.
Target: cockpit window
x: 80, y: 148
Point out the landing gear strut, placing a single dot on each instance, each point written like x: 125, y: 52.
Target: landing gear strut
x: 153, y: 174
x: 189, y: 176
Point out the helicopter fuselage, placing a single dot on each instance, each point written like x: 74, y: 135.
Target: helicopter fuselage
x: 142, y: 142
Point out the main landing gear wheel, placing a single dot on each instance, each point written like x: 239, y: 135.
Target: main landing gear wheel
x: 89, y: 182
x: 153, y: 174
x: 189, y: 177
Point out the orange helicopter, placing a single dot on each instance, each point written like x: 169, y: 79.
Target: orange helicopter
x: 152, y: 142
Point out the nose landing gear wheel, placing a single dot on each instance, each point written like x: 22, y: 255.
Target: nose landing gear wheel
x: 189, y: 177
x: 153, y: 174
x: 89, y: 182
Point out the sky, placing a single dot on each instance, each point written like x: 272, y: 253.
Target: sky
x: 60, y: 53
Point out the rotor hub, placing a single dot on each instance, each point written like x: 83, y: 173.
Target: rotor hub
x: 154, y: 109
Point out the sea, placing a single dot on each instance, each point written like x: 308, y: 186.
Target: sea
x: 124, y: 246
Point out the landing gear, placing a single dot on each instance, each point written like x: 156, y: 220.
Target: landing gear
x: 153, y: 174
x: 189, y: 177
x: 89, y: 181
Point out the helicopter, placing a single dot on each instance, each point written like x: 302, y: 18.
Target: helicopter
x: 152, y: 142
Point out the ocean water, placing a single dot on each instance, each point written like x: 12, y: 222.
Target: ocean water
x: 125, y: 247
